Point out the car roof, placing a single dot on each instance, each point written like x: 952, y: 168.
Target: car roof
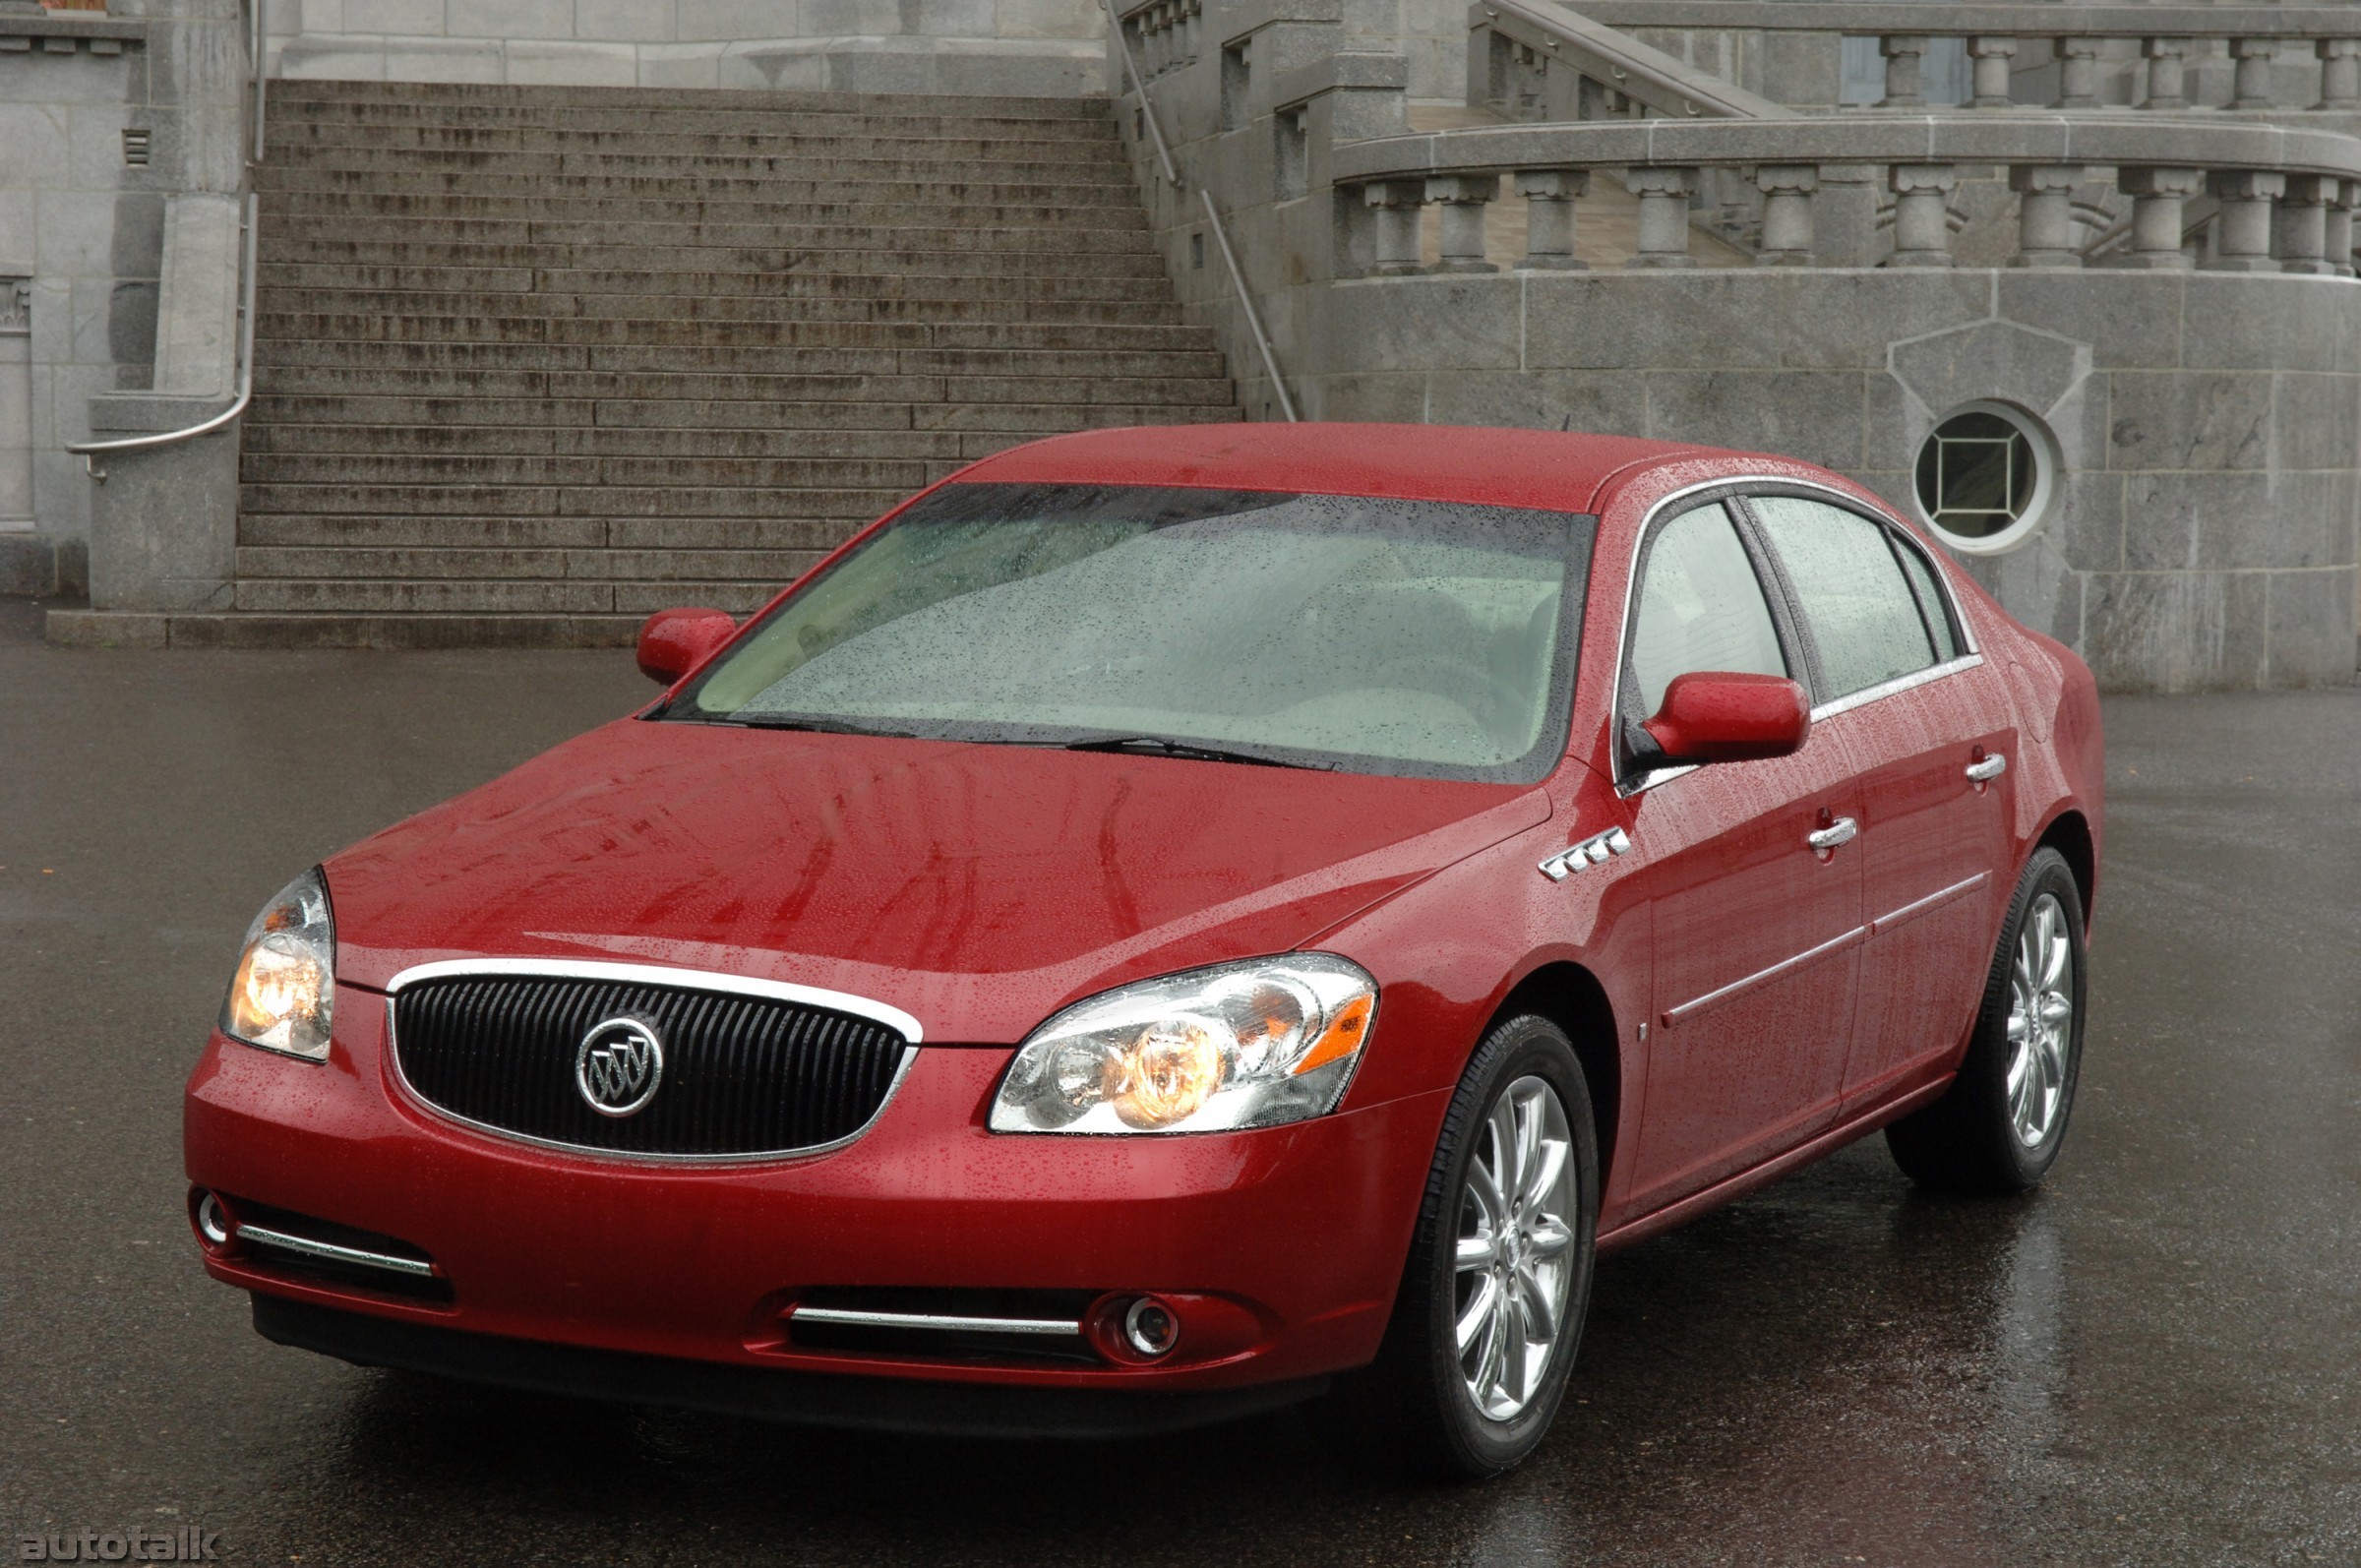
x: 1548, y: 469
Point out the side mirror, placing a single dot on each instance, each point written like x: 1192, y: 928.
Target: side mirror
x: 1714, y: 716
x: 674, y: 641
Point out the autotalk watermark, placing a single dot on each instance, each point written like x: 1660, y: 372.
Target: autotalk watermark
x: 187, y: 1544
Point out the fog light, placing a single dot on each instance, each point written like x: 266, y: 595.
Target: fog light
x: 1150, y: 1328
x: 211, y: 1223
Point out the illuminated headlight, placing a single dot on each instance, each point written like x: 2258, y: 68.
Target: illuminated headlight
x: 286, y: 981
x: 1246, y: 1045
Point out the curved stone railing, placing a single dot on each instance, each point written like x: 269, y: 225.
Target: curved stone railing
x: 2273, y: 57
x: 1520, y: 50
x: 2286, y: 195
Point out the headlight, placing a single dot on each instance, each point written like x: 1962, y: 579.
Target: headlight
x: 1239, y: 1045
x: 286, y: 980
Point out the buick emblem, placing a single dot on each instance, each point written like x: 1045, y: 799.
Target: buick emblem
x: 619, y: 1066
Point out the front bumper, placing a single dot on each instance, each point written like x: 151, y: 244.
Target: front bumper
x: 1297, y: 1233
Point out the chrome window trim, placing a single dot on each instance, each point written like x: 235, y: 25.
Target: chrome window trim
x: 1734, y: 483
x: 287, y: 1242
x: 656, y: 975
x: 937, y: 1322
x: 892, y: 1017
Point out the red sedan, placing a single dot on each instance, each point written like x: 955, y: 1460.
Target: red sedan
x: 1170, y: 919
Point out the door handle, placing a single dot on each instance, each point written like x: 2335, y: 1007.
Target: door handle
x: 1839, y: 831
x: 1985, y: 769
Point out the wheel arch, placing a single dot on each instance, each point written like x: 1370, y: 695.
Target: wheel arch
x: 2069, y: 833
x: 1571, y: 997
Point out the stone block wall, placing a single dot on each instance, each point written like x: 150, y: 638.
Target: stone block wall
x: 985, y: 47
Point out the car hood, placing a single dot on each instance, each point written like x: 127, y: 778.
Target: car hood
x: 976, y: 888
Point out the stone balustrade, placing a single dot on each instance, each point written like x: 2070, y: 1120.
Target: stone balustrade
x: 2286, y: 196
x: 2273, y: 57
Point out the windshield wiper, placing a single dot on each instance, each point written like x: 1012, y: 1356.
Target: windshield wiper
x: 782, y: 721
x: 1159, y: 746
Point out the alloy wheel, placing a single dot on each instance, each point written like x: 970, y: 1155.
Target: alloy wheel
x: 1514, y: 1260
x: 2040, y: 1021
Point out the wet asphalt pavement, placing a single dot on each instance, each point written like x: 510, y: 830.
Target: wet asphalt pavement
x: 2156, y: 1360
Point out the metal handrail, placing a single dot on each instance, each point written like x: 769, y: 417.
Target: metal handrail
x: 248, y: 264
x: 1213, y: 216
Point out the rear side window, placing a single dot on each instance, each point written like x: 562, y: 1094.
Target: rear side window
x: 1930, y: 603
x: 1856, y: 604
x: 1700, y: 608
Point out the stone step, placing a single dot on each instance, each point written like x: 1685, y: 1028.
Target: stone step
x: 735, y: 336
x: 924, y: 314
x: 801, y: 238
x: 787, y: 217
x: 113, y: 629
x: 457, y: 379
x: 771, y: 260
x: 314, y: 596
x: 598, y: 288
x: 737, y: 134
x: 325, y: 98
x: 317, y: 439
x: 364, y: 360
x: 768, y: 509
x: 1118, y: 190
x: 588, y: 568
x: 844, y: 158
x: 672, y: 413
x: 687, y: 474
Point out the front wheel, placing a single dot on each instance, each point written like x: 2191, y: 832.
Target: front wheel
x: 1999, y: 1127
x: 1492, y: 1301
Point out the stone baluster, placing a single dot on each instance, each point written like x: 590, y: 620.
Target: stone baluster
x: 1922, y: 213
x: 2243, y: 244
x: 2337, y: 230
x: 2302, y: 231
x: 2166, y: 70
x: 1663, y: 195
x: 2252, y: 83
x: 2339, y: 74
x: 1549, y: 196
x: 1398, y: 204
x: 1994, y: 58
x: 2078, y: 72
x: 1463, y: 198
x: 2045, y: 217
x: 1905, y: 83
x: 1788, y: 191
x: 2157, y: 195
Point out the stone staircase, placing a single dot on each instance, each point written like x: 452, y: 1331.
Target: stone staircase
x: 532, y: 362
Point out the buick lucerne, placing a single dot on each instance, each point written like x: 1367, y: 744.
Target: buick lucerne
x: 1170, y: 921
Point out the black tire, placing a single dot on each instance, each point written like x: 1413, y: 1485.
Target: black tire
x: 1416, y: 1400
x: 1968, y: 1141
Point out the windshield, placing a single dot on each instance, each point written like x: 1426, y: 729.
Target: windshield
x: 1374, y: 636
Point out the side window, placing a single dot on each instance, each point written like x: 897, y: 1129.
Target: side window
x: 1855, y: 603
x: 1700, y: 607
x: 1930, y: 601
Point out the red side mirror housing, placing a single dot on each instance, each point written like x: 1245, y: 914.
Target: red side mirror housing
x: 1716, y: 716
x: 674, y: 641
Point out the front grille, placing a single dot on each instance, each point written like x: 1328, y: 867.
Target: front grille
x: 742, y: 1075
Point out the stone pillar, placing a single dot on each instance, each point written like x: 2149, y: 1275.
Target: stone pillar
x: 1906, y: 83
x: 1663, y: 195
x: 1463, y: 198
x: 16, y: 407
x: 1922, y: 213
x: 2338, y: 229
x: 1549, y: 196
x: 2339, y: 74
x: 2246, y: 195
x: 2165, y: 69
x: 2078, y: 72
x: 1788, y: 191
x: 1993, y: 59
x: 2045, y: 217
x: 2157, y: 195
x: 2255, y: 57
x: 1397, y: 204
x: 2302, y: 236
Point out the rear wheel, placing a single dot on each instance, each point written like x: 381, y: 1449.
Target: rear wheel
x: 1485, y: 1332
x: 2000, y: 1126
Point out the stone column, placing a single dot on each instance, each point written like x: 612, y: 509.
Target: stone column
x: 16, y: 407
x: 1549, y: 196
x: 2045, y: 217
x: 1788, y: 191
x: 2165, y: 58
x: 1464, y: 197
x: 1905, y: 85
x: 2337, y: 230
x: 1922, y: 213
x: 2158, y: 194
x: 2078, y: 72
x: 2339, y: 73
x: 1397, y: 204
x: 2252, y: 84
x: 2246, y: 195
x: 1993, y: 59
x: 1663, y: 195
x: 2302, y: 227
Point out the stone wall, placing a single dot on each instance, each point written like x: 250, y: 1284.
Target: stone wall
x: 988, y: 47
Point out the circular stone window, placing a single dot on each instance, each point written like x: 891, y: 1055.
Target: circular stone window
x: 1984, y: 476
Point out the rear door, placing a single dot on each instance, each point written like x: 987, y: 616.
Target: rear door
x: 1756, y: 934
x: 1927, y: 735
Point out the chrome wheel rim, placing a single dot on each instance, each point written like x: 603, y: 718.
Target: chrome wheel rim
x: 2040, y: 1022
x: 1515, y: 1260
